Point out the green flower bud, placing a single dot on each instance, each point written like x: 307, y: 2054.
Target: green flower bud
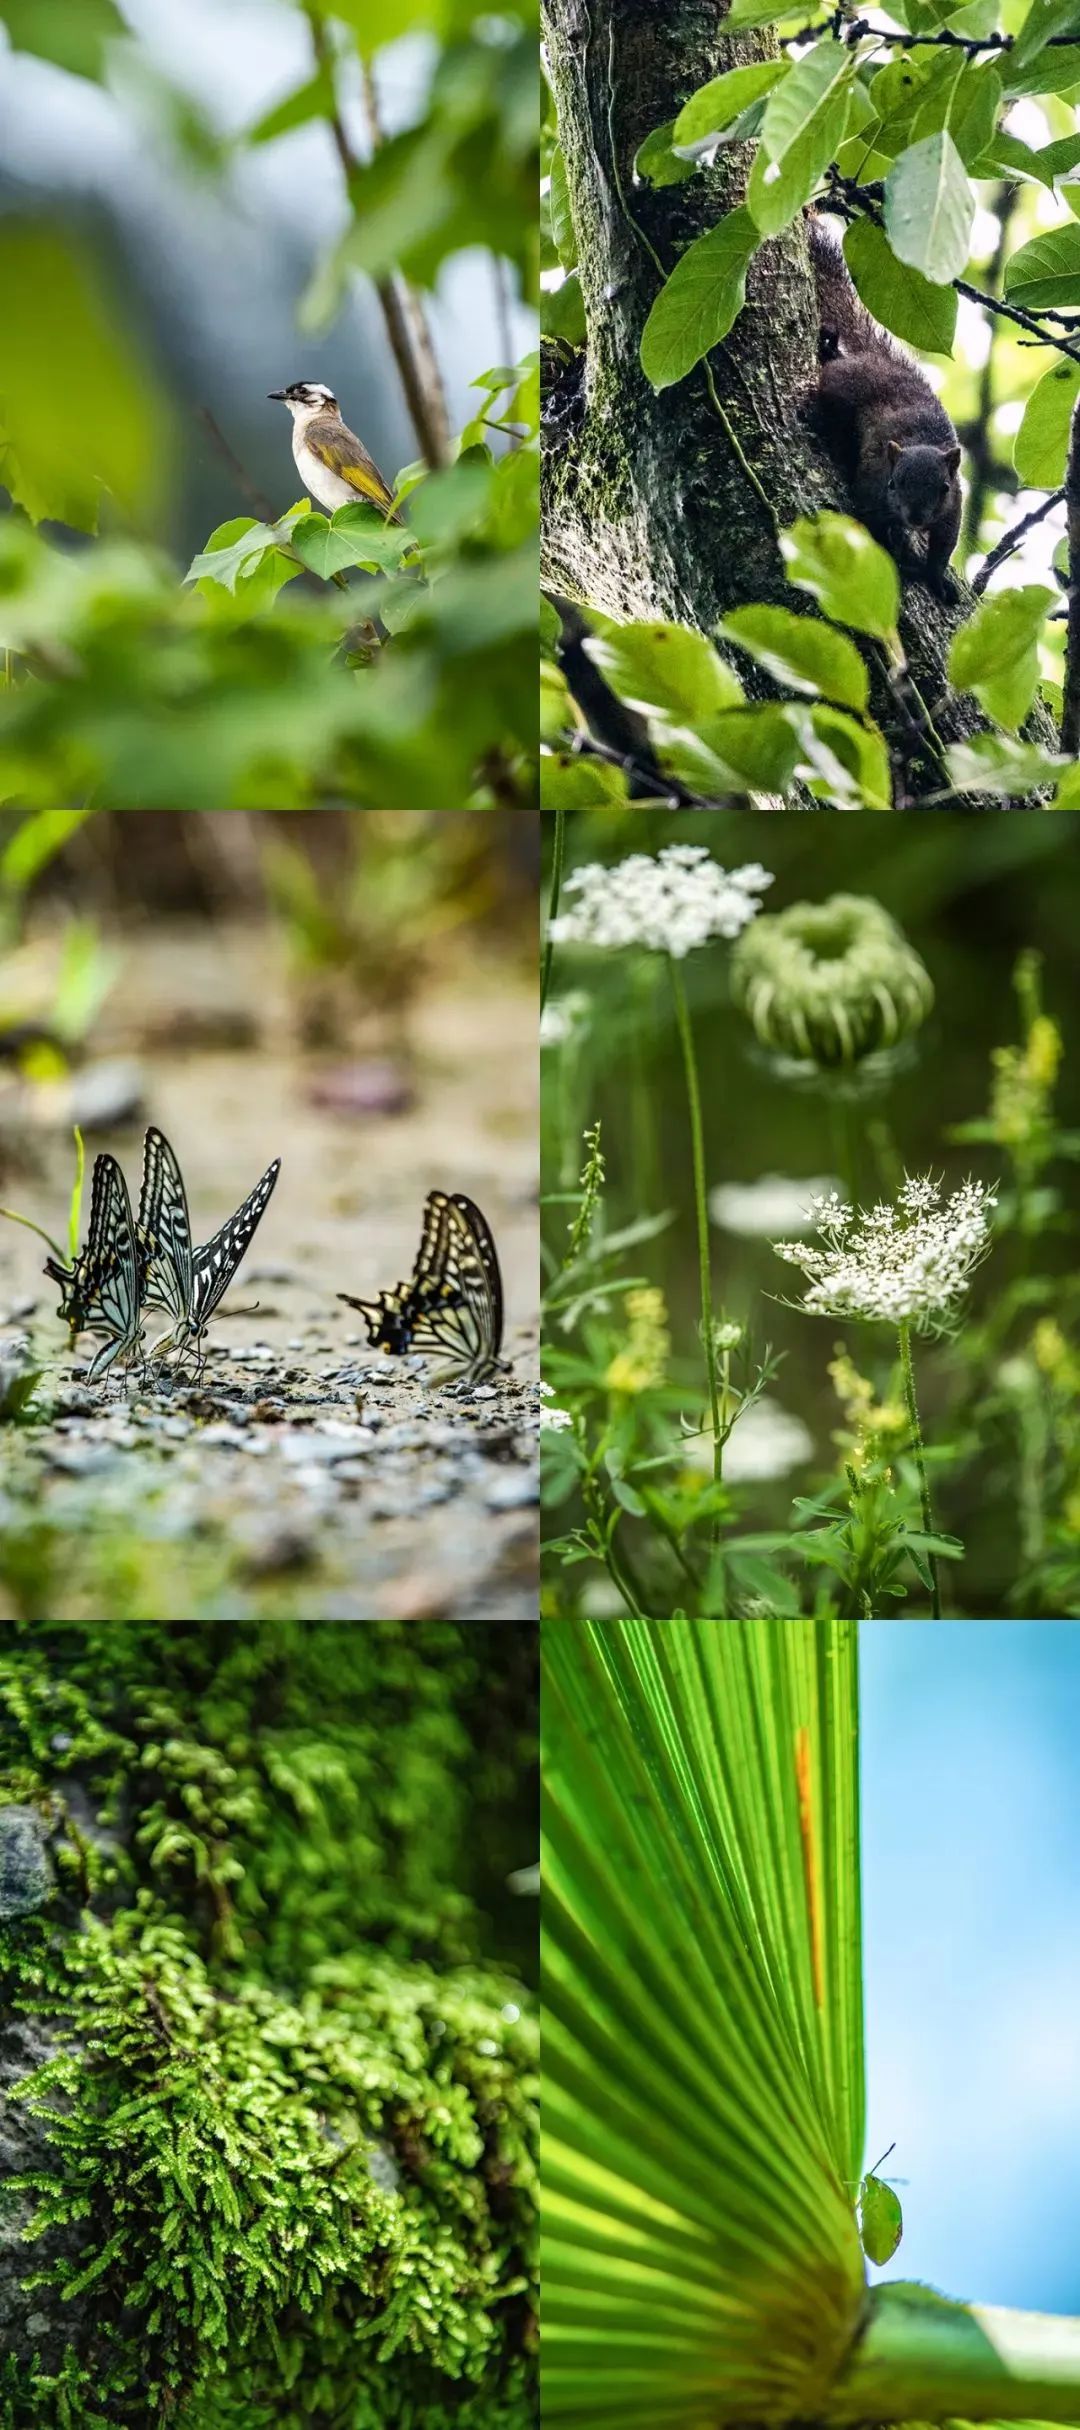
x: 829, y: 983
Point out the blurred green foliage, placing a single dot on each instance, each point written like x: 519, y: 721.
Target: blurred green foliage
x: 126, y: 682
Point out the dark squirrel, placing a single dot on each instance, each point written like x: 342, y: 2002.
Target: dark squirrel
x: 881, y: 421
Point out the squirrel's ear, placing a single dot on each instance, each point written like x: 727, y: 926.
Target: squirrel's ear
x: 894, y: 449
x: 951, y: 456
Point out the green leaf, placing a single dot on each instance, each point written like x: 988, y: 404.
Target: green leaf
x: 1051, y: 72
x: 665, y: 667
x: 993, y: 763
x: 995, y: 654
x: 799, y: 651
x: 1044, y: 18
x: 375, y: 22
x: 35, y: 843
x: 756, y: 747
x: 715, y: 106
x: 562, y: 311
x: 853, y: 579
x: 756, y: 12
x: 314, y: 99
x: 703, y: 2018
x: 562, y: 225
x: 234, y: 549
x: 1006, y: 156
x: 1045, y: 273
x: 354, y: 535
x: 1067, y: 796
x: 898, y: 296
x: 655, y: 164
x: 1041, y: 443
x: 800, y: 132
x: 929, y: 208
x: 846, y: 763
x: 580, y: 783
x: 965, y: 105
x: 78, y: 407
x: 1061, y: 158
x: 698, y: 303
x: 73, y: 34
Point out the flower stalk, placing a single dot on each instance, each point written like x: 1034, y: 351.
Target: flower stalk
x: 907, y: 1364
x: 701, y: 1211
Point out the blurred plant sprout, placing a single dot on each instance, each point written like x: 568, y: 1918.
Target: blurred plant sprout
x: 74, y: 1210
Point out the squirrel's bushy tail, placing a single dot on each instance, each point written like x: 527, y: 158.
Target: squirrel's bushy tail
x: 846, y: 325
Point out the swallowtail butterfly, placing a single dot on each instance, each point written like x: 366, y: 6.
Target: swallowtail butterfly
x: 453, y: 1299
x: 188, y: 1282
x: 103, y: 1291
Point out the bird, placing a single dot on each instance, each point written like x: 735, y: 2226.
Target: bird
x: 333, y: 464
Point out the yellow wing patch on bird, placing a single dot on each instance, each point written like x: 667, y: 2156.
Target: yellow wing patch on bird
x: 362, y: 475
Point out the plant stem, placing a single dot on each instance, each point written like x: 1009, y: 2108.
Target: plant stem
x: 930, y: 2360
x: 920, y: 1461
x: 558, y: 854
x: 701, y: 1208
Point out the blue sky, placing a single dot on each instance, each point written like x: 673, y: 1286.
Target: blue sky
x: 971, y: 1901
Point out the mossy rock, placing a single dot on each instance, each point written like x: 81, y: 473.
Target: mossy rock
x: 278, y: 2110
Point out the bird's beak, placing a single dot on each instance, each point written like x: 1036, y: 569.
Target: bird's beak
x: 276, y: 396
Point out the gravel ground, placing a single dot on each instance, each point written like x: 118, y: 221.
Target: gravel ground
x: 303, y: 1473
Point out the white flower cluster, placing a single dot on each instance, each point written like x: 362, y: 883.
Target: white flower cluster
x: 908, y: 1263
x: 555, y: 1418
x: 669, y: 904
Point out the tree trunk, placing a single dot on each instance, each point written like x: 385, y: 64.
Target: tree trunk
x: 658, y: 505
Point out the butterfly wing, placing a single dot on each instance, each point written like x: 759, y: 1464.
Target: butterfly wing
x: 388, y: 1317
x: 453, y: 1299
x: 216, y: 1263
x: 79, y: 1282
x: 164, y: 1231
x: 113, y: 1292
x: 457, y: 1286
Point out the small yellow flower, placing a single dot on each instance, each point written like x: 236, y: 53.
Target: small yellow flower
x: 642, y: 1362
x: 873, y: 1431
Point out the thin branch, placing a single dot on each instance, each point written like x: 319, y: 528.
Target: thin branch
x: 852, y: 30
x: 1070, y: 721
x: 1011, y: 540
x: 249, y: 490
x: 406, y: 321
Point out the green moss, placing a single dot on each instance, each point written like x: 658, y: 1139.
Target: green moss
x: 286, y: 2120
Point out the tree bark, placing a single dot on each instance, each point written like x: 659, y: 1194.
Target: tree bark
x: 659, y: 505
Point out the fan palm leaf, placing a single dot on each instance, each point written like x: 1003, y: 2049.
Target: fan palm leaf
x: 703, y: 2052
